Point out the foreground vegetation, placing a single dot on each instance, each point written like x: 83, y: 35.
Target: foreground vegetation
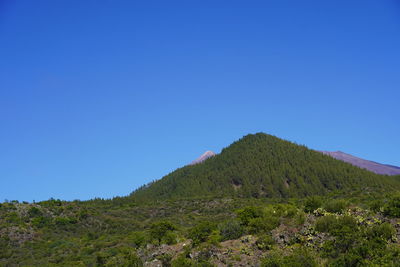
x: 359, y: 230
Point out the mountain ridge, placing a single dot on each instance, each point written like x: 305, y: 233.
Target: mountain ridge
x: 370, y: 165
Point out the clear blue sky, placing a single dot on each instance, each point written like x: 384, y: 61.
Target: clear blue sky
x: 100, y: 97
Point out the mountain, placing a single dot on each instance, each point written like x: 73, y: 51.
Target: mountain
x: 261, y: 165
x: 365, y: 164
x: 203, y: 157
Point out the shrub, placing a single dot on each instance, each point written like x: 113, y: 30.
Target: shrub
x: 336, y: 205
x: 64, y: 221
x: 247, y: 214
x: 335, y: 226
x: 169, y: 238
x: 289, y: 211
x: 200, y: 232
x: 272, y: 261
x: 160, y: 229
x: 138, y: 239
x: 230, y: 230
x: 384, y: 231
x: 123, y: 259
x: 300, y: 218
x: 265, y: 242
x: 346, y: 232
x: 325, y: 223
x: 348, y: 259
x: 182, y: 261
x: 347, y: 222
x: 392, y: 208
x: 214, y: 238
x: 312, y: 203
x: 41, y: 221
x: 376, y: 205
x: 13, y: 218
x: 34, y: 212
x: 165, y: 260
x: 300, y: 257
x: 280, y: 210
x: 263, y: 225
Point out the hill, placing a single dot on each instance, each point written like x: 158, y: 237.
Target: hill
x: 364, y: 164
x: 261, y: 165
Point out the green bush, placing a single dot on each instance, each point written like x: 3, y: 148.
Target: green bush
x: 160, y: 229
x: 13, y: 218
x: 384, y: 231
x: 34, y: 212
x: 299, y: 257
x: 5, y: 251
x: 182, y: 261
x: 348, y: 259
x: 300, y: 218
x: 200, y: 232
x: 41, y: 221
x: 257, y: 220
x: 230, y: 230
x: 128, y: 260
x: 138, y: 239
x: 214, y: 238
x: 64, y: 221
x: 289, y: 211
x: 265, y: 242
x: 347, y: 222
x: 376, y: 205
x: 392, y: 208
x: 336, y: 205
x: 312, y: 203
x: 325, y: 223
x: 263, y: 225
x: 165, y: 260
x: 247, y: 214
x: 334, y: 225
x: 169, y: 238
x: 272, y: 260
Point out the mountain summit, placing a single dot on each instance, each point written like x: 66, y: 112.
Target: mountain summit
x: 262, y: 165
x: 203, y: 157
x: 365, y: 164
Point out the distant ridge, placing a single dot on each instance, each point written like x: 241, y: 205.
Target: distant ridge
x: 364, y: 164
x: 203, y: 157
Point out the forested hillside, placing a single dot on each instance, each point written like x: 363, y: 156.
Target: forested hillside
x: 356, y: 230
x: 261, y: 165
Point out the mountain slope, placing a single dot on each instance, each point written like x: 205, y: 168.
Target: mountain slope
x: 203, y: 157
x: 365, y: 164
x: 261, y: 165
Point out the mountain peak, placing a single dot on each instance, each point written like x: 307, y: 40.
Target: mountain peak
x: 203, y: 157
